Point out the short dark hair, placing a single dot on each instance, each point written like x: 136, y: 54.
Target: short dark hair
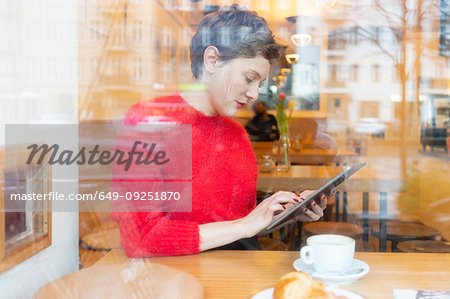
x: 235, y: 33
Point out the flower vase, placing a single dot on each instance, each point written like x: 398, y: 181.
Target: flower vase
x: 284, y: 158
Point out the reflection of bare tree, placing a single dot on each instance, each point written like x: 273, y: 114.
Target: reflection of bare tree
x: 404, y: 19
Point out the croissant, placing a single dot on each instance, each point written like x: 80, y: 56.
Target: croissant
x: 300, y: 285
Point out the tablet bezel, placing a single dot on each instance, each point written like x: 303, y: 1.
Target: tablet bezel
x: 333, y: 183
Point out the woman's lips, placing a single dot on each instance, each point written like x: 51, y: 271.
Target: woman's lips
x: 240, y: 105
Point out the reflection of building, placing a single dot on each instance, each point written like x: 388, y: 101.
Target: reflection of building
x: 132, y: 50
x: 361, y: 80
x: 371, y: 71
x: 129, y: 51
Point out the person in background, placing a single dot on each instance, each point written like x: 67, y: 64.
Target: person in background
x: 231, y: 54
x: 263, y: 126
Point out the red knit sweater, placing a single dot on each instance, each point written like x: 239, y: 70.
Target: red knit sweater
x: 224, y: 174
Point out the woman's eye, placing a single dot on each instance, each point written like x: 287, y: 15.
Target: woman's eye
x: 248, y: 79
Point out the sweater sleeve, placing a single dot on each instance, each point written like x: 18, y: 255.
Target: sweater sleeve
x: 155, y: 234
x: 145, y: 234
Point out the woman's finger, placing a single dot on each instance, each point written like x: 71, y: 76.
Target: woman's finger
x: 292, y: 194
x: 306, y: 193
x: 316, y: 209
x: 277, y: 197
x: 311, y: 215
x: 277, y: 207
x: 289, y: 206
x: 286, y: 197
x: 331, y: 193
x: 323, y: 202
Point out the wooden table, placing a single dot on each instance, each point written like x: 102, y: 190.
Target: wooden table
x: 309, y: 156
x: 239, y: 274
x: 301, y: 177
x: 368, y: 179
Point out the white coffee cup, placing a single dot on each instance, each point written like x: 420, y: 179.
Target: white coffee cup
x: 329, y: 253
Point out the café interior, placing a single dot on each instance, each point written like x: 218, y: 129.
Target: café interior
x: 367, y: 81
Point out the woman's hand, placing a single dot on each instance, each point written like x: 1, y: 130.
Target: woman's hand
x: 264, y: 213
x: 315, y: 210
x: 312, y: 213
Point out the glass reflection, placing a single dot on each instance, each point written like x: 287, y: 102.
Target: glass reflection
x: 371, y: 80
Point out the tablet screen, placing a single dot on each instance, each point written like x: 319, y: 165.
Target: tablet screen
x: 333, y: 183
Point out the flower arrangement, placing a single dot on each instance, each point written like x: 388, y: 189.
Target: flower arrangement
x: 283, y: 120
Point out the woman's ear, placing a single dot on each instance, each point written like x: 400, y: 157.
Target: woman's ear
x: 211, y: 59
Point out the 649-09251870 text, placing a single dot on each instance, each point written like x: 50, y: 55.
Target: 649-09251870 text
x: 99, y: 195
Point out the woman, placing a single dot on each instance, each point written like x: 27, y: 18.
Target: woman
x: 231, y: 55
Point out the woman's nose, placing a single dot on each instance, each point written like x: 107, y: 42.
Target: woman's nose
x: 252, y: 94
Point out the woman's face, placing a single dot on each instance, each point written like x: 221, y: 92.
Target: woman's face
x: 236, y: 83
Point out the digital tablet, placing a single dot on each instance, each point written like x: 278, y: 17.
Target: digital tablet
x: 333, y: 183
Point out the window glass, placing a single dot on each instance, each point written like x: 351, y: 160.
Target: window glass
x: 356, y: 82
x: 368, y: 81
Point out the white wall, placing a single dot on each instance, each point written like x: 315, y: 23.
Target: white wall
x: 39, y: 85
x: 59, y: 259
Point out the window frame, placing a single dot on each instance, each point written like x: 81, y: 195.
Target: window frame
x: 34, y: 241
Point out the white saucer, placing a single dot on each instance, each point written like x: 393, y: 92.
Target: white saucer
x: 299, y: 265
x: 268, y: 294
